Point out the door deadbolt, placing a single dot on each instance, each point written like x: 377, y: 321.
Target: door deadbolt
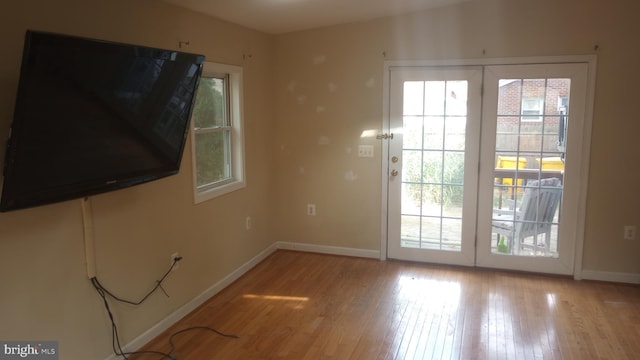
x: 394, y: 159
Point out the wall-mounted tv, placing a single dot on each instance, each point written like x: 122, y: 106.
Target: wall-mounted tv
x: 93, y: 116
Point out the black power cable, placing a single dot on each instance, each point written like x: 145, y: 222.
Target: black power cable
x: 158, y: 286
x: 115, y: 339
x: 207, y: 328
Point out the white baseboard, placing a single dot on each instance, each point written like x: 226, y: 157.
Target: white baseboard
x: 332, y: 250
x: 184, y: 310
x: 611, y: 276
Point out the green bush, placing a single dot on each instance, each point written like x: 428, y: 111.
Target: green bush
x: 440, y: 173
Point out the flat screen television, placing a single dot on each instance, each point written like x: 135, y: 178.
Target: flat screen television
x: 93, y: 116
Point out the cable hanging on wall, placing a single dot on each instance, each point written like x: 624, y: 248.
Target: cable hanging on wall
x: 115, y: 338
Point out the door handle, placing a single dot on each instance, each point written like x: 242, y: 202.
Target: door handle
x: 394, y: 172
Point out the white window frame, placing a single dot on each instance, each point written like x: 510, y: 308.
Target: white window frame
x: 538, y: 101
x: 237, y: 179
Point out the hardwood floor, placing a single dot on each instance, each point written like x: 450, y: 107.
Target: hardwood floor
x: 298, y: 305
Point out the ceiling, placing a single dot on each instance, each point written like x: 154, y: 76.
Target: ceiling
x: 282, y: 16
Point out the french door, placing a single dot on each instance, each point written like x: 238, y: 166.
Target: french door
x: 484, y: 166
x: 435, y: 114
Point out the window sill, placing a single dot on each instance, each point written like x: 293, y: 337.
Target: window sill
x: 204, y: 195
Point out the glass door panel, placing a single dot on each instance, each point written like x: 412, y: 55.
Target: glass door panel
x: 528, y: 154
x: 433, y: 183
x: 527, y: 110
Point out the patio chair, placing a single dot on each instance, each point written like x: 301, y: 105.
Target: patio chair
x: 534, y: 216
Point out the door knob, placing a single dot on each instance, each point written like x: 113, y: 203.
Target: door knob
x: 394, y: 172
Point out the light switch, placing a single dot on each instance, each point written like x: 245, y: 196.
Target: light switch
x: 365, y: 151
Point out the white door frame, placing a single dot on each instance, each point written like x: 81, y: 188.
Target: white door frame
x: 472, y: 77
x: 590, y: 60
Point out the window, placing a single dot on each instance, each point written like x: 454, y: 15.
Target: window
x: 532, y: 108
x: 218, y: 142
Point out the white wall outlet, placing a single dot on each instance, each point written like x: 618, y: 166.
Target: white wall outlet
x: 173, y: 259
x: 311, y: 209
x: 365, y: 151
x: 630, y: 232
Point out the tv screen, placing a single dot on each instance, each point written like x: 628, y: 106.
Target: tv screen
x: 93, y: 116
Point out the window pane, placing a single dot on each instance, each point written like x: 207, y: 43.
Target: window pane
x: 510, y: 92
x: 210, y: 108
x: 412, y: 130
x: 411, y: 166
x: 534, y: 88
x: 551, y: 138
x: 432, y: 200
x: 451, y: 234
x: 557, y: 97
x: 456, y: 98
x: 434, y: 97
x: 413, y: 98
x: 433, y: 132
x: 410, y: 231
x: 453, y: 168
x: 530, y: 137
x: 212, y: 157
x: 453, y: 206
x: 431, y: 233
x: 507, y: 133
x: 432, y: 167
x: 455, y: 133
x: 411, y: 199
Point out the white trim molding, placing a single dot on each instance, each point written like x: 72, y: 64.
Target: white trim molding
x: 628, y: 278
x: 331, y: 250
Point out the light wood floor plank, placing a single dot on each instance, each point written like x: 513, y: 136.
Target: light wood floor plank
x: 298, y: 305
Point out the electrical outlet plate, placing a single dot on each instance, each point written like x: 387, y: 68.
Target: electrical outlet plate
x: 311, y: 209
x: 630, y: 232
